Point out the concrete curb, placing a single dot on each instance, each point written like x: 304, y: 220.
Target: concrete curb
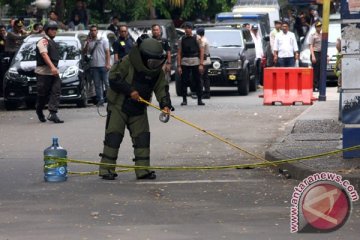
x: 312, y: 121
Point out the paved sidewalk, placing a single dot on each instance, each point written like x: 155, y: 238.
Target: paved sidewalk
x: 316, y: 130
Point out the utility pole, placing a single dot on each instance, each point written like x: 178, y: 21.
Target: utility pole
x: 324, y: 47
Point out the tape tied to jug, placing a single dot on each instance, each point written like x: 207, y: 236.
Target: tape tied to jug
x: 264, y: 163
x: 188, y: 168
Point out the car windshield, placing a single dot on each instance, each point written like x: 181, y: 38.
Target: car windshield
x: 224, y: 38
x: 68, y: 51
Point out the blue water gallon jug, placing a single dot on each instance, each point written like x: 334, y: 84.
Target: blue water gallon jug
x: 55, y: 171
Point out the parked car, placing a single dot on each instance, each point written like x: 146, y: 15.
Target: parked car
x: 20, y: 79
x: 232, y: 53
x: 260, y: 19
x: 270, y: 7
x: 253, y: 18
x: 136, y: 28
x: 334, y: 34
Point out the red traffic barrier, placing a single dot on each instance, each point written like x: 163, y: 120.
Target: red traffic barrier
x: 288, y: 86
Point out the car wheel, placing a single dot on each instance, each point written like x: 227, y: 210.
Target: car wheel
x: 30, y: 104
x: 252, y: 83
x: 178, y: 85
x: 243, y: 83
x: 82, y: 102
x: 10, y: 105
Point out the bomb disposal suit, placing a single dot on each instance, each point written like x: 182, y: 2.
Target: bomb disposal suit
x: 139, y: 74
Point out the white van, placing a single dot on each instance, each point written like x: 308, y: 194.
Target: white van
x: 271, y: 7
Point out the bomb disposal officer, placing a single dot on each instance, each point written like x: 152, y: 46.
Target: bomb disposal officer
x: 138, y: 75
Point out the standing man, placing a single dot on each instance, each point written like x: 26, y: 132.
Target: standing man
x: 270, y: 51
x: 138, y: 75
x: 315, y: 50
x: 80, y: 10
x: 99, y: 63
x: 157, y: 34
x: 123, y: 44
x: 15, y: 38
x: 285, y: 48
x: 53, y: 16
x: 3, y: 35
x: 114, y: 25
x: 47, y: 74
x: 205, y: 81
x: 190, y: 60
x: 3, y: 68
x: 259, y: 53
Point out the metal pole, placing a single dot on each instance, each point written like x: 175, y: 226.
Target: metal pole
x: 324, y: 47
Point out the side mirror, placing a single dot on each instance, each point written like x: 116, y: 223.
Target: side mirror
x: 249, y: 45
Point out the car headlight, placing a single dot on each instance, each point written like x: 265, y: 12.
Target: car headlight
x: 305, y: 56
x: 71, y: 71
x: 13, y: 74
x: 234, y: 64
x: 216, y: 65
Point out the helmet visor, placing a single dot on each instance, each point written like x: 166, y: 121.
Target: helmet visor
x: 153, y: 63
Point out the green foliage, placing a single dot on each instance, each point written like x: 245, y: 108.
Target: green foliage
x: 135, y: 9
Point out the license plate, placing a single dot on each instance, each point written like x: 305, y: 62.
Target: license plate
x: 212, y: 72
x: 330, y: 67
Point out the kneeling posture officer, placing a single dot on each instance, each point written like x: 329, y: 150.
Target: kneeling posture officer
x: 138, y: 75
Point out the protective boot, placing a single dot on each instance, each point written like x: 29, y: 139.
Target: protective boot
x: 144, y: 173
x: 109, y: 156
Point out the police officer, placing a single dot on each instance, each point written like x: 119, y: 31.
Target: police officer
x: 157, y: 34
x: 138, y: 75
x: 190, y: 60
x: 123, y: 44
x: 315, y: 50
x: 15, y: 38
x: 47, y: 74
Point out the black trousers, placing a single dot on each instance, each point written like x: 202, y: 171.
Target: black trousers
x: 205, y: 81
x: 316, y: 66
x: 49, y: 90
x: 193, y: 71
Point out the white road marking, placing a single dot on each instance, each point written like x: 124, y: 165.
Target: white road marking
x: 200, y: 181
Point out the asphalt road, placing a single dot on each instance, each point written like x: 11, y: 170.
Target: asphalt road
x: 218, y: 204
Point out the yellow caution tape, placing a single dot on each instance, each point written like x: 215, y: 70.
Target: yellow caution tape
x: 264, y: 163
x: 207, y: 132
x: 221, y: 167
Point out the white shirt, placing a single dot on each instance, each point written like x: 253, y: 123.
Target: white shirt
x: 285, y: 44
x: 273, y: 34
x: 258, y: 45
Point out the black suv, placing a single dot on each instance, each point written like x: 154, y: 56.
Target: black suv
x: 136, y: 28
x: 232, y: 53
x: 20, y: 79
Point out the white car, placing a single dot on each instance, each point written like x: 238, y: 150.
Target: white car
x: 334, y: 34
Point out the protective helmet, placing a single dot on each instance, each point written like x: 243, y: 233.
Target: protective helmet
x: 50, y: 24
x: 141, y: 38
x: 152, y: 53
